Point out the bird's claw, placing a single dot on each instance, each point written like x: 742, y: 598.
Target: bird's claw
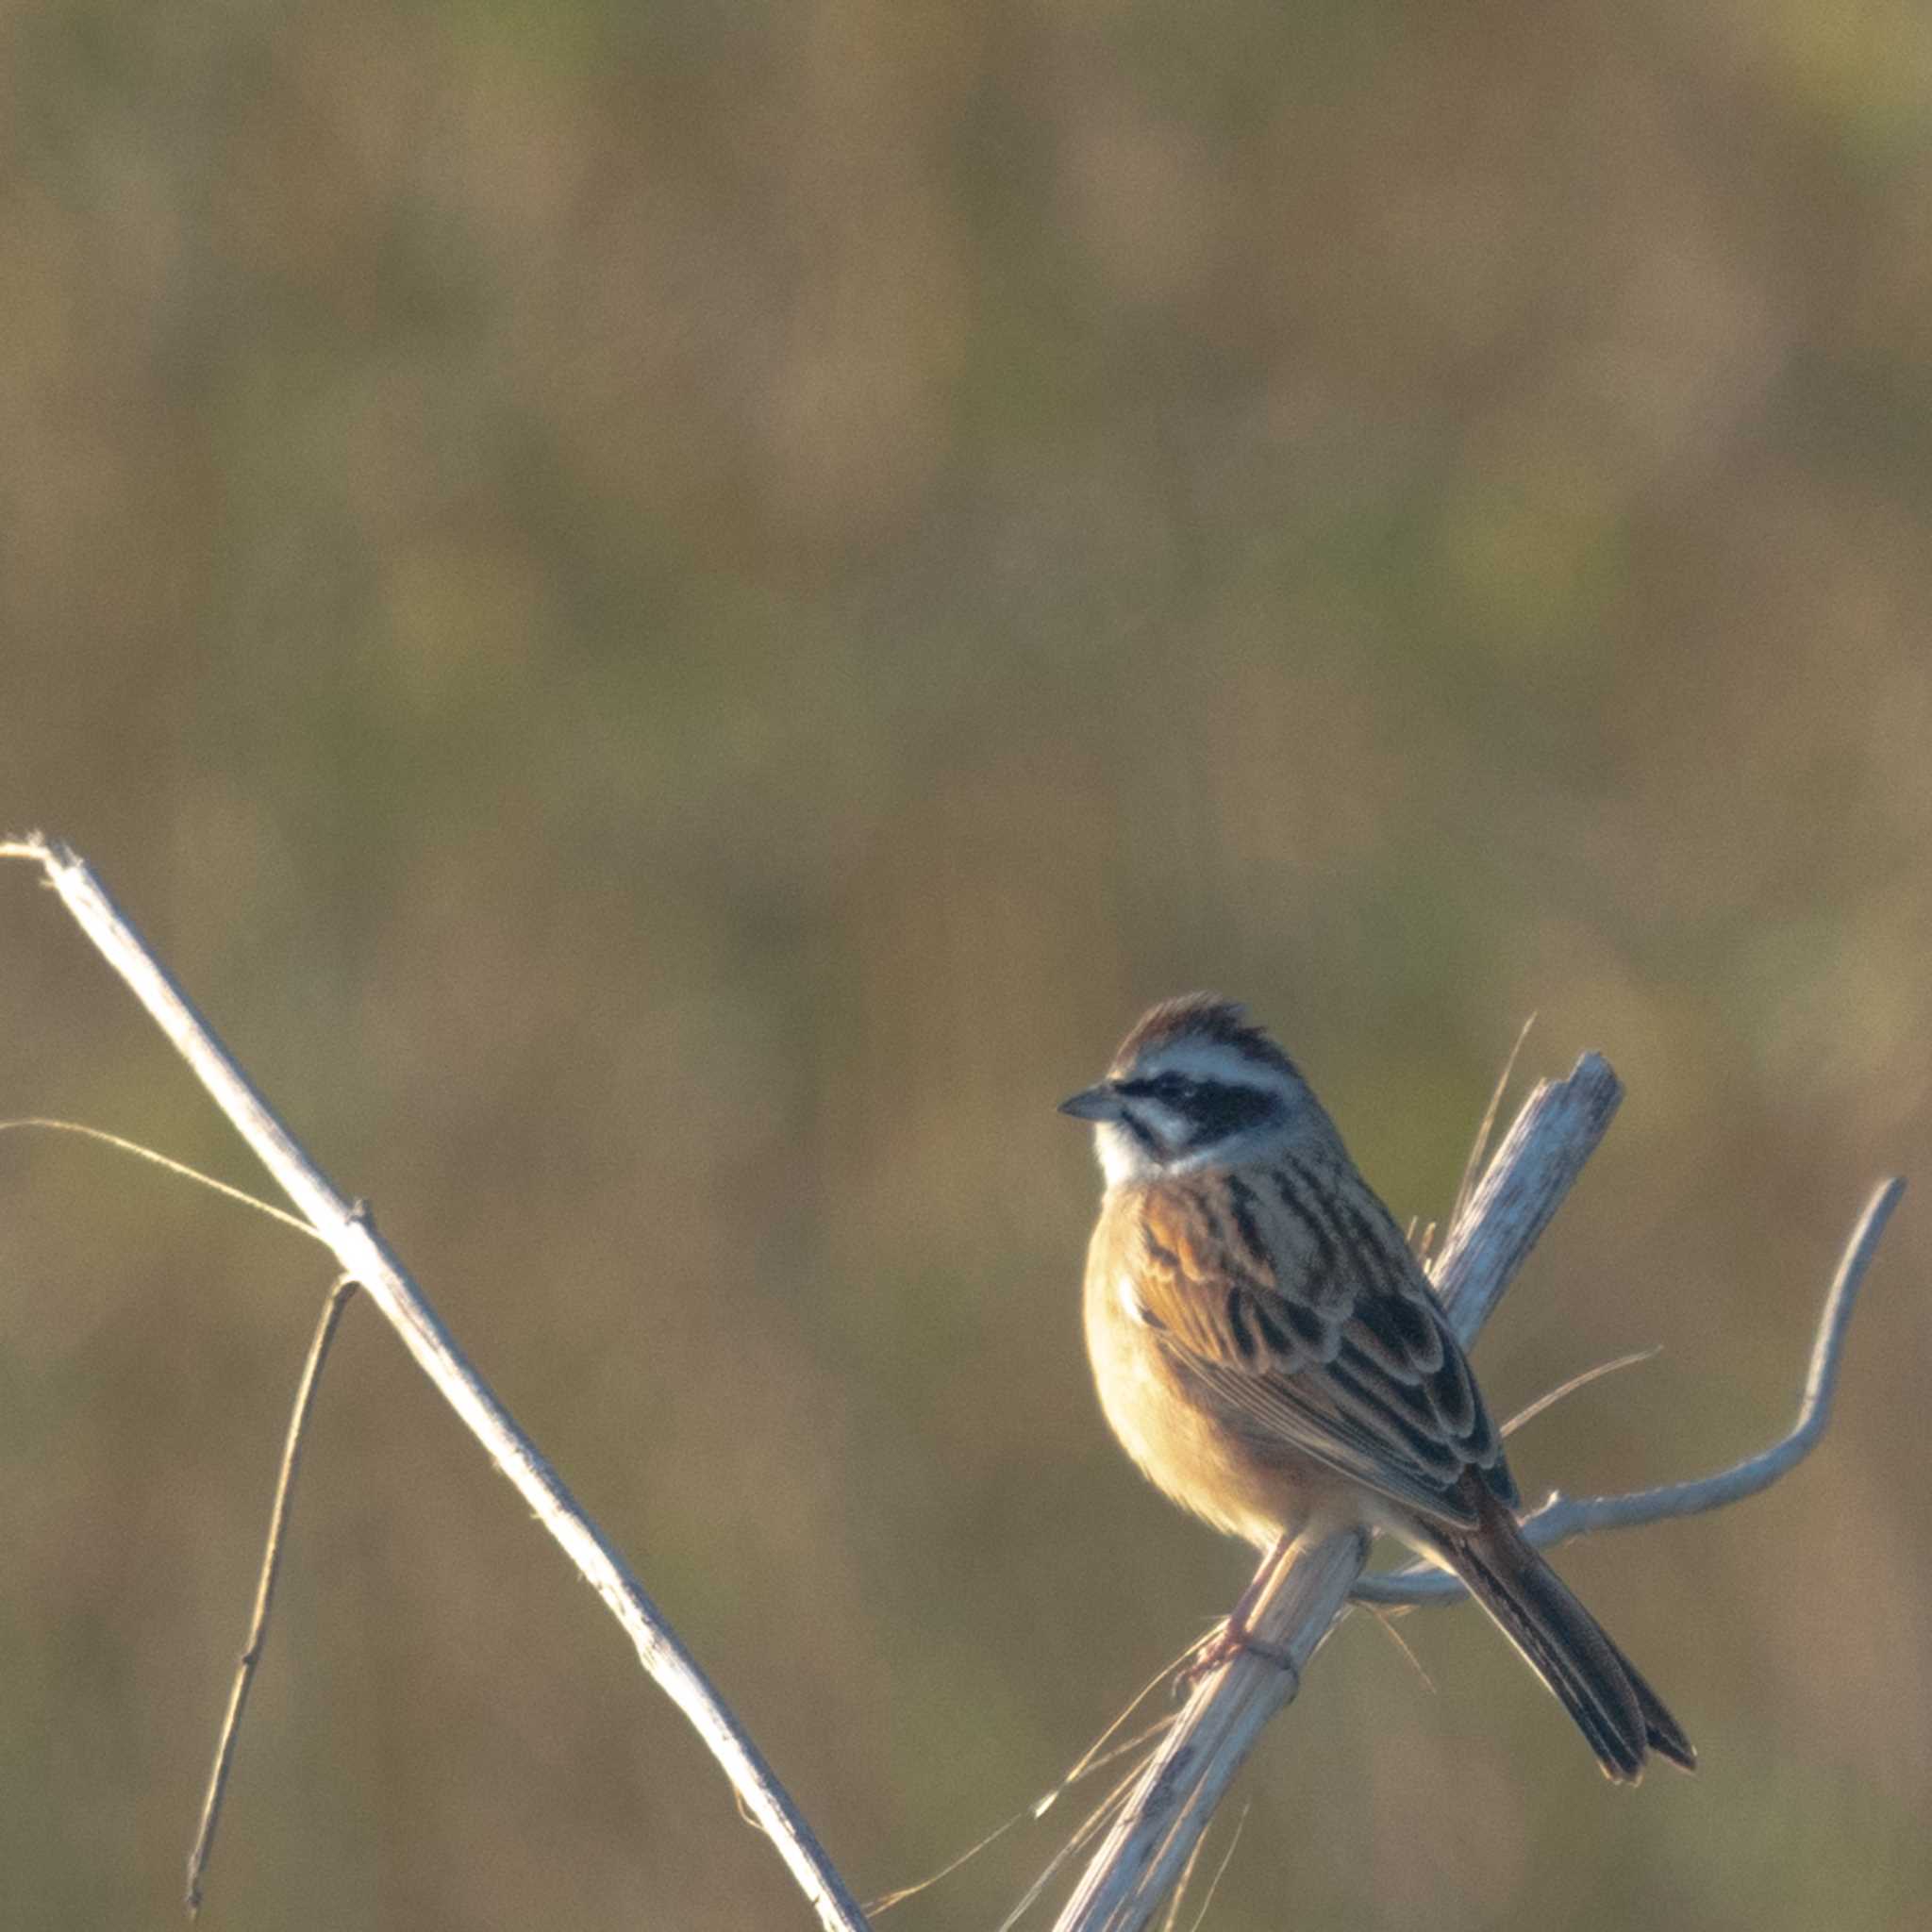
x: 1221, y: 1647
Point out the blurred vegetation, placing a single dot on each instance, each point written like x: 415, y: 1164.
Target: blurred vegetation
x: 674, y: 615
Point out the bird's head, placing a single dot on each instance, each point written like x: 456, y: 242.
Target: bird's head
x: 1194, y: 1085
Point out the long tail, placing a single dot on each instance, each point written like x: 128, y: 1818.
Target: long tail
x: 1616, y: 1710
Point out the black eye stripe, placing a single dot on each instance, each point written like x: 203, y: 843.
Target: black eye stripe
x: 1161, y: 1087
x: 1206, y: 1110
x: 1220, y: 1110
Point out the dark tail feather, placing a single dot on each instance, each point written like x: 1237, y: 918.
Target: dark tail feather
x: 1664, y: 1733
x: 1616, y: 1710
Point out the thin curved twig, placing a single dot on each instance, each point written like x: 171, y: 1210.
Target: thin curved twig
x: 338, y: 1298
x: 155, y: 1157
x: 1479, y: 1147
x: 1581, y: 1380
x: 1562, y: 1517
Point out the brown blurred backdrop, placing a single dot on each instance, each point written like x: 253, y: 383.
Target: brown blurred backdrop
x: 674, y: 614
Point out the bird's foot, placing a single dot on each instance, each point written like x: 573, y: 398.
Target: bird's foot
x: 1229, y: 1640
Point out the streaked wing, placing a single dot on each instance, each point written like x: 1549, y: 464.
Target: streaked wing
x: 1289, y: 1297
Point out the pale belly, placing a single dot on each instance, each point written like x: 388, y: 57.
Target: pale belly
x: 1186, y: 1450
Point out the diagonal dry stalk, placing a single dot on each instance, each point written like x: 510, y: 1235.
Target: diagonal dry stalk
x: 348, y: 1229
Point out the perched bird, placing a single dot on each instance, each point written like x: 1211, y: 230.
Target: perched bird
x: 1268, y: 1351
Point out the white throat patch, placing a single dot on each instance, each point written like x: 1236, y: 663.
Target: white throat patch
x: 1122, y: 1156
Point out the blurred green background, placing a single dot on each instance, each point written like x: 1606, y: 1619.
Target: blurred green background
x: 674, y: 615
